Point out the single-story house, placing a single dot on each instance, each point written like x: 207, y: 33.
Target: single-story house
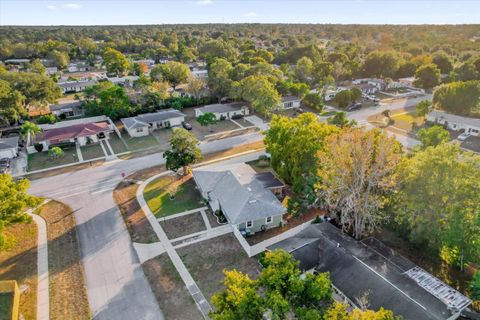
x: 244, y: 197
x: 380, y: 84
x: 370, y: 271
x: 142, y: 124
x: 51, y: 70
x: 70, y: 109
x: 81, y: 131
x: 366, y: 88
x: 17, y: 61
x: 408, y: 81
x: 454, y: 122
x: 224, y: 110
x: 9, y: 147
x: 77, y: 66
x: 290, y: 102
x: 126, y: 81
x: 75, y: 86
x: 201, y: 74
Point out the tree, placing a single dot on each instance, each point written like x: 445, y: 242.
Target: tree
x: 338, y: 311
x: 47, y: 118
x: 183, y: 152
x: 343, y: 98
x: 381, y: 64
x: 12, y: 103
x: 466, y: 71
x: 173, y: 72
x: 115, y: 62
x: 29, y: 128
x: 356, y: 169
x: 340, y: 120
x: 59, y: 59
x: 427, y: 76
x: 443, y: 61
x: 219, y: 80
x: 207, y: 119
x: 14, y: 200
x: 475, y: 286
x: 313, y: 101
x: 261, y: 94
x: 195, y: 86
x: 55, y: 152
x: 461, y: 98
x: 37, y: 67
x: 437, y: 202
x: 423, y: 108
x: 304, y: 69
x: 355, y: 94
x: 433, y: 136
x: 299, y: 89
x: 112, y: 102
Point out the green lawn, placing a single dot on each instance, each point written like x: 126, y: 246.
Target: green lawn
x: 117, y: 145
x: 41, y: 160
x: 6, y: 303
x: 141, y: 142
x: 158, y: 198
x: 404, y: 121
x: 92, y: 151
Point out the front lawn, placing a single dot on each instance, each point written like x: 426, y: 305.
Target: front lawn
x: 157, y: 195
x: 41, y: 160
x: 404, y: 121
x: 220, y: 126
x: 117, y: 145
x: 141, y: 142
x: 92, y: 151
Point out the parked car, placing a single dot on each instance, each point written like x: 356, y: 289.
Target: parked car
x: 300, y: 110
x: 464, y: 136
x: 353, y: 107
x: 186, y: 125
x: 5, y: 163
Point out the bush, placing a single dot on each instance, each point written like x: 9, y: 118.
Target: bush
x: 38, y: 147
x: 55, y: 152
x: 48, y: 118
x: 222, y: 117
x: 237, y: 116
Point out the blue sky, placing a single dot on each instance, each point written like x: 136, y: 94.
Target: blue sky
x: 110, y: 12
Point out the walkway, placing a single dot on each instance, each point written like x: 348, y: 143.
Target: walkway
x: 43, y: 296
x: 187, y: 278
x: 258, y: 122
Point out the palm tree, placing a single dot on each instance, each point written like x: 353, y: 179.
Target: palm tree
x: 30, y: 128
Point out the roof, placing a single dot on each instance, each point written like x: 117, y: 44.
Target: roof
x: 76, y: 84
x: 9, y: 143
x: 437, y: 114
x: 225, y: 107
x: 65, y: 105
x: 268, y: 180
x: 384, y: 274
x: 290, y: 98
x: 240, y: 195
x: 72, y: 132
x: 143, y: 120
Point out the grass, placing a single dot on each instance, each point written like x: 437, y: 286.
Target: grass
x: 404, y: 120
x: 158, y: 198
x: 68, y: 297
x: 92, y: 151
x: 141, y: 142
x: 220, y: 126
x: 41, y: 160
x: 117, y: 145
x: 20, y: 263
x: 6, y: 303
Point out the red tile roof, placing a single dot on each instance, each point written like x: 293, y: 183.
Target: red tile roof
x: 72, y: 132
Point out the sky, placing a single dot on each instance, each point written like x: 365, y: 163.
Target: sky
x: 124, y: 12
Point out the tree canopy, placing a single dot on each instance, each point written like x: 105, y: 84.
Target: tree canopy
x: 183, y: 152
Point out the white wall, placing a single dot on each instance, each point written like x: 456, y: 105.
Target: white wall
x: 135, y: 134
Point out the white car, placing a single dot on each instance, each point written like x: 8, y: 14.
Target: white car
x: 464, y: 136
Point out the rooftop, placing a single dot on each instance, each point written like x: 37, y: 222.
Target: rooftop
x: 223, y: 107
x: 72, y: 132
x: 290, y: 98
x: 143, y: 120
x: 454, y: 118
x: 8, y: 143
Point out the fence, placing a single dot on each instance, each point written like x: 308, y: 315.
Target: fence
x: 11, y: 287
x: 261, y: 246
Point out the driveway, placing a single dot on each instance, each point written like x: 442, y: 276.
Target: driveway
x: 116, y: 285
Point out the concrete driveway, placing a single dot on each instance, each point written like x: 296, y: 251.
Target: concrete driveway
x: 116, y: 285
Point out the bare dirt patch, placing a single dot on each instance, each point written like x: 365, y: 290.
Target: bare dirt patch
x: 182, y: 226
x: 20, y: 263
x: 206, y: 261
x: 172, y: 295
x: 68, y: 298
x: 212, y: 219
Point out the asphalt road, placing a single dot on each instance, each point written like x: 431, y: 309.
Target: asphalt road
x: 116, y: 285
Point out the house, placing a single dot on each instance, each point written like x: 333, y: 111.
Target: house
x: 225, y: 110
x: 126, y: 81
x: 9, y: 147
x: 408, y: 81
x: 290, y: 102
x: 75, y: 86
x: 380, y: 84
x: 370, y: 271
x: 69, y: 109
x: 245, y: 198
x: 142, y: 124
x: 201, y: 74
x: 454, y: 122
x: 51, y: 70
x: 77, y: 66
x: 79, y: 131
x: 366, y: 88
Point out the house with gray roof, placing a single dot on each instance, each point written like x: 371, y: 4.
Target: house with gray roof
x: 454, y: 122
x: 142, y: 124
x: 246, y: 199
x: 75, y: 86
x: 9, y: 147
x: 370, y: 271
x: 290, y: 102
x: 224, y: 111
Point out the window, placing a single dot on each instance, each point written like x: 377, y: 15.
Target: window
x: 288, y: 104
x: 249, y: 224
x: 139, y: 129
x: 475, y: 131
x: 268, y: 219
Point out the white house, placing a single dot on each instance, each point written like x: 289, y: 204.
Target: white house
x: 8, y: 147
x: 77, y: 66
x: 290, y: 102
x: 224, y: 111
x: 143, y: 124
x: 126, y: 81
x: 51, y: 70
x: 69, y: 109
x: 75, y: 86
x: 408, y: 81
x: 201, y: 74
x: 454, y: 122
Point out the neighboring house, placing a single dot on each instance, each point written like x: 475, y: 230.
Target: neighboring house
x: 81, y: 131
x: 142, y: 124
x: 126, y: 81
x: 70, y: 109
x: 201, y: 74
x: 224, y: 111
x: 148, y: 62
x: 290, y: 102
x: 380, y: 84
x: 408, y: 82
x: 9, y: 147
x: 51, y: 70
x: 370, y: 271
x: 366, y: 88
x: 75, y: 86
x: 77, y: 66
x: 245, y: 198
x: 17, y: 61
x: 454, y: 122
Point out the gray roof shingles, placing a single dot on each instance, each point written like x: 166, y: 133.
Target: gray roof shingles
x: 143, y: 120
x: 220, y: 108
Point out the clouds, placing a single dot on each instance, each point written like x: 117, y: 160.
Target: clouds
x: 204, y: 2
x: 71, y: 6
x: 251, y: 14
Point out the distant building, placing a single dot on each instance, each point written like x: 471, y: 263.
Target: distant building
x: 70, y: 109
x: 408, y: 81
x: 9, y: 147
x: 454, y: 122
x: 142, y: 124
x: 224, y: 110
x: 126, y: 81
x: 75, y: 86
x: 79, y: 66
x: 51, y: 70
x: 290, y: 102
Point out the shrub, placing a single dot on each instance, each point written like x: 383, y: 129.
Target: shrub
x: 38, y: 147
x: 237, y: 116
x: 48, y: 118
x: 55, y: 152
